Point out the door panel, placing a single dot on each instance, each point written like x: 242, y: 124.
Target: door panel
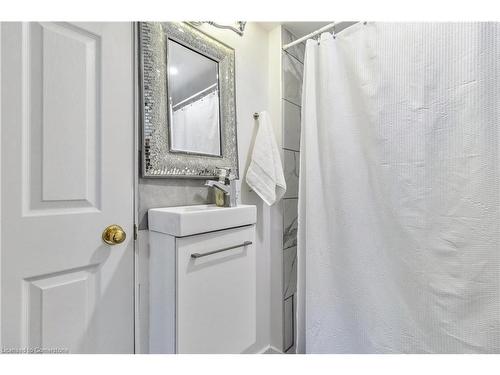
x: 67, y: 173
x: 70, y: 65
x: 216, y: 294
x: 61, y: 119
x: 58, y: 309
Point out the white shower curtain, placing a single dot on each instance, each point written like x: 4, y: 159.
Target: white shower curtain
x: 399, y: 190
x: 196, y: 126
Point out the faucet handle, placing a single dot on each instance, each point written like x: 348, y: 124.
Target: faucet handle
x: 221, y: 173
x: 231, y: 175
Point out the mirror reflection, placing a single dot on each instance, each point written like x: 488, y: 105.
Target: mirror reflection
x: 193, y: 96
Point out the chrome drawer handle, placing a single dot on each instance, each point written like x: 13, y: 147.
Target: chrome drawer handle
x: 198, y: 255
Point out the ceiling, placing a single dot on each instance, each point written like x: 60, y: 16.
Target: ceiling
x: 300, y: 29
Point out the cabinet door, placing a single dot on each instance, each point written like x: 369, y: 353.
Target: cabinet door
x: 216, y: 297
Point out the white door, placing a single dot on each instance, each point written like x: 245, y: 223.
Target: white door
x: 66, y: 174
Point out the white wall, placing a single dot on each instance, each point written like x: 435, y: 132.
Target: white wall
x: 257, y: 78
x: 255, y: 91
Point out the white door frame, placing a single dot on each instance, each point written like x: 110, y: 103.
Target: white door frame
x: 135, y: 163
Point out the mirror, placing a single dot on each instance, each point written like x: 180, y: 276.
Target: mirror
x: 188, y: 107
x: 193, y: 99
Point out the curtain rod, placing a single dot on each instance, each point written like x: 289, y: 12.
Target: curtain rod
x: 308, y: 36
x: 195, y: 95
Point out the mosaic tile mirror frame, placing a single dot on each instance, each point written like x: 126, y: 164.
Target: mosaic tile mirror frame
x: 157, y: 158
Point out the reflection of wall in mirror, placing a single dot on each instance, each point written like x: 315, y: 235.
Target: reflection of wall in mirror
x: 187, y: 134
x: 189, y: 72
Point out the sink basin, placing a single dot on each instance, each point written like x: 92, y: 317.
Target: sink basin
x: 187, y: 220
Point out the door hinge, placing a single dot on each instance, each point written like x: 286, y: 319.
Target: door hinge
x: 135, y: 232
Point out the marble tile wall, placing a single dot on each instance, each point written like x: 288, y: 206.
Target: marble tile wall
x: 290, y: 268
x: 296, y: 51
x: 289, y: 334
x: 290, y: 222
x: 291, y: 163
x: 291, y: 120
x: 292, y: 70
x: 292, y: 79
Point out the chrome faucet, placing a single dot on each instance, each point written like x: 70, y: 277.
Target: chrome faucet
x: 226, y: 187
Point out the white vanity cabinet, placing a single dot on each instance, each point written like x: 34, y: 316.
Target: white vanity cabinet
x: 202, y: 285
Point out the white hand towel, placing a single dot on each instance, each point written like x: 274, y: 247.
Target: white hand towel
x: 265, y: 173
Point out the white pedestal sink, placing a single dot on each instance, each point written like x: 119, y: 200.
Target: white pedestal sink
x: 187, y: 220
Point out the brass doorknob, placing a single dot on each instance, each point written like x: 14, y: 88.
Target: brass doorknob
x: 114, y: 235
